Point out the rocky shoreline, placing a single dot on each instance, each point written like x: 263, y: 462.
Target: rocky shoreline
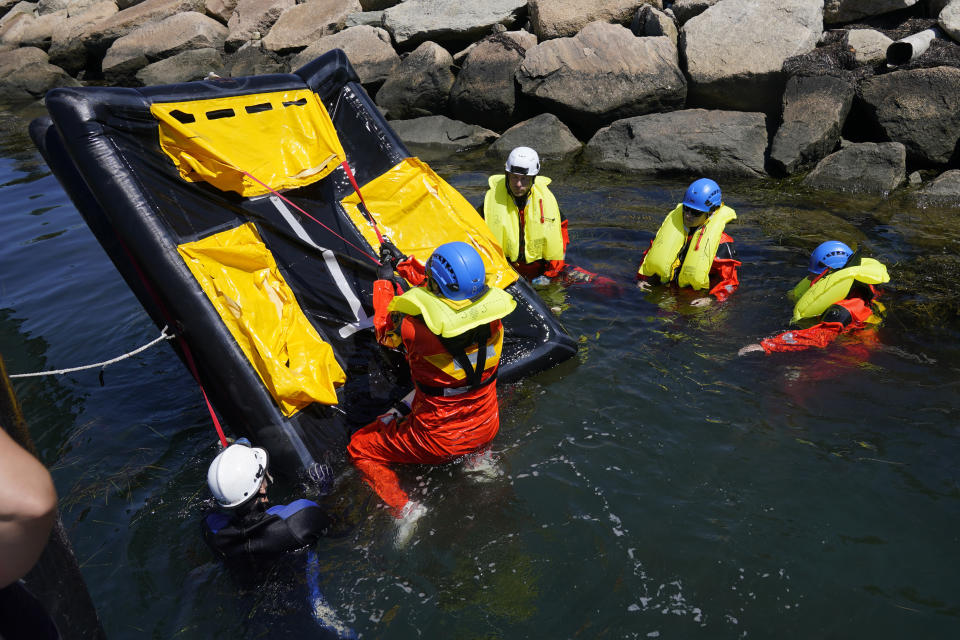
x: 723, y: 88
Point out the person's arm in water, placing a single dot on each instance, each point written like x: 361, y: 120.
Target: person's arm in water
x: 835, y: 321
x: 28, y: 506
x: 723, y: 271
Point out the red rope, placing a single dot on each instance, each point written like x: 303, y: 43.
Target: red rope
x: 301, y: 210
x: 356, y: 187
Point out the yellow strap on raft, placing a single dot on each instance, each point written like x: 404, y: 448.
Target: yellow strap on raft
x: 284, y: 139
x: 241, y: 279
x: 834, y: 287
x: 419, y: 211
x: 446, y: 321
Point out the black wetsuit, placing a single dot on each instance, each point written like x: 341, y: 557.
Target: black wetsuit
x: 276, y: 530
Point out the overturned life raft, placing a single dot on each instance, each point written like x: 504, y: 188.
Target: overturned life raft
x: 245, y: 213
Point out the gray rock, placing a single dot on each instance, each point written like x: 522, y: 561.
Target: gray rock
x: 865, y: 167
x: 252, y: 19
x: 11, y: 31
x: 602, y: 74
x: 158, y: 40
x: 693, y: 141
x: 449, y: 21
x: 183, y: 67
x: 915, y: 179
x: 420, y: 85
x: 949, y: 20
x: 943, y: 190
x: 920, y: 108
x: 298, y: 27
x: 686, y: 9
x: 26, y: 8
x: 565, y: 18
x: 649, y: 21
x: 98, y: 36
x: 72, y: 6
x: 485, y: 91
x: 545, y: 133
x: 364, y: 18
x: 869, y: 46
x: 67, y: 47
x: 39, y: 32
x: 253, y: 60
x: 814, y: 110
x: 734, y: 56
x: 836, y: 11
x: 368, y: 49
x: 440, y: 133
x: 26, y: 74
x: 220, y: 10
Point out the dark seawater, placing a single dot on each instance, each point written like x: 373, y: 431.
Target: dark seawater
x: 658, y: 487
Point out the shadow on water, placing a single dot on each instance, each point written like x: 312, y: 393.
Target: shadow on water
x: 658, y: 486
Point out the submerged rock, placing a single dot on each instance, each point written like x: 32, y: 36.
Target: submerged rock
x: 865, y: 167
x: 441, y: 133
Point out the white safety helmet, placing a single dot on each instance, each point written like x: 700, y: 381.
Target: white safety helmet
x: 235, y: 474
x: 523, y: 161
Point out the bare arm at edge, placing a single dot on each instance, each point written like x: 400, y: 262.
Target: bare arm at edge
x: 28, y: 505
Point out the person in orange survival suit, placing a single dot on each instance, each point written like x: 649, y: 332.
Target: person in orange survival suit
x: 526, y: 220
x: 839, y: 292
x: 451, y: 332
x: 691, y: 248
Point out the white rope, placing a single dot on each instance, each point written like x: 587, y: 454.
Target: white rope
x: 163, y: 336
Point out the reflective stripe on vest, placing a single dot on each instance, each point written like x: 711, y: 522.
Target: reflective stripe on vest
x: 542, y: 235
x: 443, y: 320
x: 661, y: 259
x: 816, y: 298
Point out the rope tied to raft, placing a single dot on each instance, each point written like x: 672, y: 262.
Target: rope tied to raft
x: 100, y: 365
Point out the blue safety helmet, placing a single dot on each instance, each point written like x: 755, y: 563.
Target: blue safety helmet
x: 831, y: 254
x: 703, y: 195
x: 457, y: 269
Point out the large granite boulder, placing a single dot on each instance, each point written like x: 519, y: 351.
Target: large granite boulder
x: 693, y: 141
x: 299, y: 26
x: 865, y: 167
x: 486, y: 91
x: 837, y: 11
x: 949, y: 20
x: 26, y: 75
x: 649, y: 21
x: 39, y: 31
x: 440, y: 133
x: 98, y: 36
x: 735, y: 54
x: 545, y: 133
x: 602, y: 74
x: 253, y: 60
x: 186, y: 66
x: 944, y: 190
x: 920, y: 108
x: 449, y: 21
x: 369, y: 49
x: 67, y: 47
x: 565, y: 18
x: 12, y: 27
x: 868, y: 46
x: 252, y: 19
x: 686, y: 9
x: 814, y: 110
x: 220, y: 9
x: 157, y: 40
x: 420, y: 85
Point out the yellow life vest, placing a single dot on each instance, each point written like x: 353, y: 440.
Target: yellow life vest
x: 813, y: 300
x: 542, y: 235
x: 447, y: 321
x: 662, y: 258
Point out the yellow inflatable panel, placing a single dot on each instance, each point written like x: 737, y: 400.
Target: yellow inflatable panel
x: 284, y: 139
x: 419, y: 211
x: 239, y: 275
